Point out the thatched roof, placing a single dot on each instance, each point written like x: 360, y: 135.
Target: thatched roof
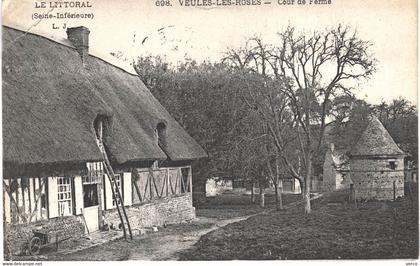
x: 50, y: 102
x: 375, y: 141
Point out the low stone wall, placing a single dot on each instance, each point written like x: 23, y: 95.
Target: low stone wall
x: 169, y: 210
x: 19, y: 234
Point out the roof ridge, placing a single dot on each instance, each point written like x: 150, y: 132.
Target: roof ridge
x: 66, y: 43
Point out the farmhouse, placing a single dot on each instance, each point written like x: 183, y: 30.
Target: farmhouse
x: 377, y: 164
x: 85, y: 143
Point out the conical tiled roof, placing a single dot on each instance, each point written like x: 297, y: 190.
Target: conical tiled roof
x: 375, y: 141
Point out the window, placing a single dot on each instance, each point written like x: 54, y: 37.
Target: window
x: 90, y: 183
x: 161, y: 135
x: 90, y: 188
x: 103, y: 126
x: 64, y: 196
x: 118, y: 180
x: 90, y: 195
x: 392, y: 165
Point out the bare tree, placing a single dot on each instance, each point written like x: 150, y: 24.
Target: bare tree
x: 299, y: 78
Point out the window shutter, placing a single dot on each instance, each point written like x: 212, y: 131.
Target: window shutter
x: 127, y: 189
x: 108, y: 193
x: 52, y: 197
x: 78, y: 192
x: 102, y: 185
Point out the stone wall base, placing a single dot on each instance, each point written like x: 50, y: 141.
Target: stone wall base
x: 18, y: 234
x: 169, y: 210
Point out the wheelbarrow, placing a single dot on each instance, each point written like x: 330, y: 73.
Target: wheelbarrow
x: 42, y: 239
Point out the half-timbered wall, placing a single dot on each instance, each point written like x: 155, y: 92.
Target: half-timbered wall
x: 160, y: 183
x: 158, y: 196
x: 25, y: 199
x: 163, y: 195
x: 33, y: 199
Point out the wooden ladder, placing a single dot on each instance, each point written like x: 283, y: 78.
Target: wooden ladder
x: 119, y: 203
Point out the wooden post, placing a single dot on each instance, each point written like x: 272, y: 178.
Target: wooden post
x: 47, y: 196
x: 190, y: 179
x: 293, y: 185
x: 12, y: 212
x: 35, y: 199
x: 262, y: 195
x: 23, y: 211
x: 98, y: 168
x: 190, y: 184
x: 29, y: 198
x: 252, y: 191
x: 394, y: 235
x: 167, y: 181
x: 394, y: 189
x: 351, y: 198
x: 150, y: 184
x: 410, y: 195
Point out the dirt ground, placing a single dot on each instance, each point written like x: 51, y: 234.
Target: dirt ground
x: 167, y: 243
x: 334, y: 230
x: 229, y: 227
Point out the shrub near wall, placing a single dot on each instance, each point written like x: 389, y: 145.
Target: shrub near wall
x: 19, y: 234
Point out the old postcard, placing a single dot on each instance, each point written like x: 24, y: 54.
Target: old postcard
x: 203, y: 130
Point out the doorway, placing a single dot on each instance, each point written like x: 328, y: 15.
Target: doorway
x: 91, y: 202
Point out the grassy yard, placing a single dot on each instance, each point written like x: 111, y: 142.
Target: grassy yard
x: 230, y: 205
x: 370, y: 230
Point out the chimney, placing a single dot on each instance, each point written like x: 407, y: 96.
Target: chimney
x: 79, y: 37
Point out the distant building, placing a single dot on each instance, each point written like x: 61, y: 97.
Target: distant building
x: 217, y: 185
x: 335, y: 170
x: 376, y: 163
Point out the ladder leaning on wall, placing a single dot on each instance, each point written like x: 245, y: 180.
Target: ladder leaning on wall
x: 119, y: 203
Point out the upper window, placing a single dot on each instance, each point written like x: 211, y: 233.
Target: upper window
x: 161, y: 135
x: 102, y: 125
x: 392, y: 165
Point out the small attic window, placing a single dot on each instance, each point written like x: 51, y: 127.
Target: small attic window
x: 103, y: 126
x: 392, y: 165
x: 160, y: 132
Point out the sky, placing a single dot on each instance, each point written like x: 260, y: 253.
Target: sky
x: 139, y: 27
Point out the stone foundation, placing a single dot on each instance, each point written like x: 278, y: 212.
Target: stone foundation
x: 169, y: 210
x: 19, y: 234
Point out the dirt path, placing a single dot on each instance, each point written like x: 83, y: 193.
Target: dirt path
x: 167, y: 244
x: 167, y: 247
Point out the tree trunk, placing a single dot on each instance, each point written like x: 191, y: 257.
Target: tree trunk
x: 307, y: 194
x: 302, y: 187
x: 279, y: 200
x: 262, y: 196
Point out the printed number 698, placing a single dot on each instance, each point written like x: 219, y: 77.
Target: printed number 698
x: 163, y: 3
